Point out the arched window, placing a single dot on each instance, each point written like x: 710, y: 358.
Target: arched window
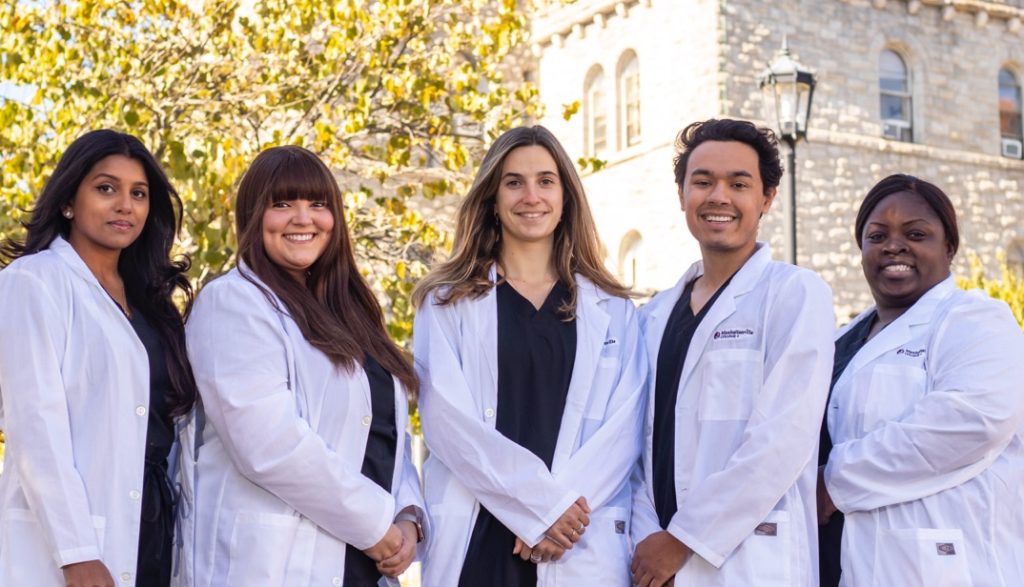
x: 894, y: 89
x: 1010, y: 126
x: 629, y: 257
x: 595, y: 131
x: 629, y: 99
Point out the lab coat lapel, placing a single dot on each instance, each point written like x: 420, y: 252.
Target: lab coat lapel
x: 485, y: 331
x: 744, y: 281
x: 899, y: 332
x: 591, y: 328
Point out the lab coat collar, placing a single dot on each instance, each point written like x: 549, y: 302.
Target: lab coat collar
x: 661, y: 307
x: 899, y: 331
x: 70, y: 256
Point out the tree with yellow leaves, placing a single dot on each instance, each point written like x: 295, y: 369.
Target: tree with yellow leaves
x: 398, y: 96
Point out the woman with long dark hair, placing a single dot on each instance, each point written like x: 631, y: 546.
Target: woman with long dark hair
x: 93, y: 372
x: 302, y: 474
x: 533, y: 376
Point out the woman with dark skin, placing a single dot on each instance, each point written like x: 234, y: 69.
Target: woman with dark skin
x: 925, y: 413
x: 93, y: 372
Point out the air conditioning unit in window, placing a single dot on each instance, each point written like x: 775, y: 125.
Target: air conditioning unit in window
x: 1013, y: 148
x: 892, y: 131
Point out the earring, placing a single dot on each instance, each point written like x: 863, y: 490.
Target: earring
x: 68, y: 213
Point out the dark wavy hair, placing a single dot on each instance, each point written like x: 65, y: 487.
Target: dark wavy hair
x: 897, y: 183
x: 150, y: 276
x: 762, y: 140
x: 335, y: 309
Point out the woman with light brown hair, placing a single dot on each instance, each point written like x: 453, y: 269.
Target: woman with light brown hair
x: 302, y: 474
x: 532, y: 372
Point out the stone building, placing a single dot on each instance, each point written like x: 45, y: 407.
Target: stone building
x: 927, y: 87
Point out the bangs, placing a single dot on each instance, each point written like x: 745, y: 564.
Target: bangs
x: 302, y: 178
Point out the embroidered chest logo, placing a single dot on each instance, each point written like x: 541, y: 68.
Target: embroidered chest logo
x: 910, y: 353
x: 945, y: 549
x: 610, y: 342
x: 733, y: 333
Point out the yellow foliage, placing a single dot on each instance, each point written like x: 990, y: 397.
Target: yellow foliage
x: 1008, y: 288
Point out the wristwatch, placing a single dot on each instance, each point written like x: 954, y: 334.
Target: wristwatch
x: 415, y: 519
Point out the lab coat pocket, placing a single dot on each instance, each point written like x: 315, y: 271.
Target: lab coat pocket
x: 893, y: 391
x: 602, y: 555
x: 921, y: 556
x: 729, y: 383
x: 25, y: 558
x: 261, y: 546
x: 765, y: 557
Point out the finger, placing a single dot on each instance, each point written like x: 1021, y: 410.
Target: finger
x: 582, y: 502
x: 518, y: 546
x: 525, y: 553
x: 557, y: 539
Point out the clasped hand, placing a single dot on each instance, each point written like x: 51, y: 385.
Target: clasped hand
x: 561, y: 536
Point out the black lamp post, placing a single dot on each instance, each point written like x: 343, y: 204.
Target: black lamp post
x: 787, y: 88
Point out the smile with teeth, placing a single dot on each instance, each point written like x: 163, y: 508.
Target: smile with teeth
x: 299, y: 238
x: 718, y: 218
x: 898, y: 268
x: 530, y: 215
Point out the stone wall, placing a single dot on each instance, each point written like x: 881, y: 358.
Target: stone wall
x: 701, y: 58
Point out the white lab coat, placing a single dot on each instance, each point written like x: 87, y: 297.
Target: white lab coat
x: 928, y: 458
x: 747, y: 421
x: 276, y: 492
x: 470, y: 463
x: 75, y: 384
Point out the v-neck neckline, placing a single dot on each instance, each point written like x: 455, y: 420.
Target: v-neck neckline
x: 526, y: 301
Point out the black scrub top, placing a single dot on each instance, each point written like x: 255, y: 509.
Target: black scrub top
x: 830, y: 536
x: 156, y: 529
x: 675, y: 342
x: 536, y: 354
x: 378, y: 462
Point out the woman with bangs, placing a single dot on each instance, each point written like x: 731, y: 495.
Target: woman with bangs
x: 302, y: 473
x: 532, y: 371
x: 93, y: 372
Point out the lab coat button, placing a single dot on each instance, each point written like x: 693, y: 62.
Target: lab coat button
x: 134, y: 494
x: 489, y: 412
x: 125, y: 577
x: 140, y: 411
x: 336, y: 582
x: 366, y: 420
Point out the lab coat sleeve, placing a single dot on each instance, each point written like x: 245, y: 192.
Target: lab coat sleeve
x: 970, y: 414
x: 644, y: 519
x: 38, y: 429
x: 781, y: 436
x: 509, y: 480
x: 599, y: 468
x: 236, y: 347
x: 410, y: 493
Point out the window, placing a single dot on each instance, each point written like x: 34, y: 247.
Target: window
x: 629, y: 99
x: 1010, y: 127
x: 595, y: 131
x: 629, y: 256
x: 894, y: 89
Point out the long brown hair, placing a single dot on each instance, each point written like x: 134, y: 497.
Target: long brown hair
x: 477, y: 243
x: 335, y: 309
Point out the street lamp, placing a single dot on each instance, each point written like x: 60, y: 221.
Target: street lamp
x: 787, y: 88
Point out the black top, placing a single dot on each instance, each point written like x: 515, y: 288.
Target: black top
x: 830, y: 536
x: 378, y: 461
x: 156, y: 530
x: 675, y: 342
x: 536, y: 354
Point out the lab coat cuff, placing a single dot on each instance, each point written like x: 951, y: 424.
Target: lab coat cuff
x: 384, y: 523
x: 696, y: 545
x: 70, y: 556
x: 842, y: 502
x: 536, y: 534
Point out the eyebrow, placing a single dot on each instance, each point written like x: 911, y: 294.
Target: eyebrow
x: 514, y: 174
x: 118, y: 179
x: 908, y: 222
x: 737, y: 173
